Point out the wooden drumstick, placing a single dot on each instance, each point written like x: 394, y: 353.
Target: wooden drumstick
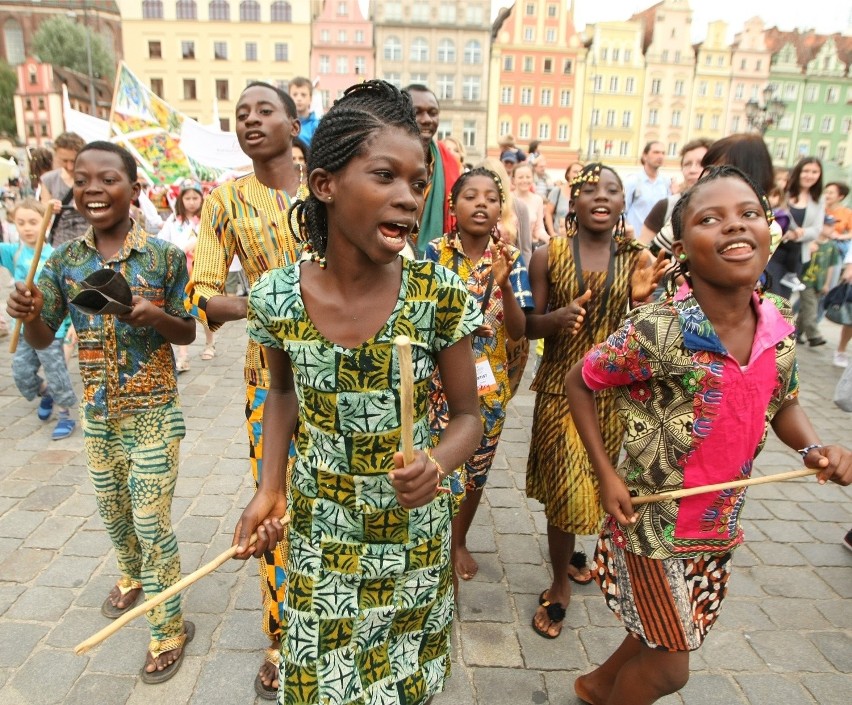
x: 182, y: 584
x: 689, y: 491
x: 42, y: 233
x: 406, y: 396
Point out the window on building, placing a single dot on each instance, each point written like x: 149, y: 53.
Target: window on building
x: 187, y: 49
x: 791, y: 91
x: 827, y: 124
x: 656, y: 86
x: 473, y: 14
x: 615, y: 54
x: 529, y: 64
x: 28, y: 103
x: 419, y: 77
x: 222, y: 92
x: 627, y: 56
x: 624, y: 148
x: 676, y: 116
x: 505, y: 127
x: 31, y: 130
x: 546, y: 97
x: 664, y: 57
x: 739, y: 91
x: 714, y: 122
x: 43, y: 129
x: 629, y: 85
x: 607, y: 147
x: 604, y: 54
x: 446, y: 12
x: 506, y: 95
x: 550, y: 35
x: 393, y: 11
x: 567, y: 66
x: 529, y: 34
x: 152, y: 9
x: 445, y: 129
x: 699, y: 121
x: 524, y: 130
x: 251, y: 51
x: 563, y: 132
x: 832, y: 94
x: 530, y: 9
x: 597, y: 84
x: 735, y: 123
x: 342, y: 65
x: 672, y: 150
x: 219, y: 10
x: 13, y: 35
x: 552, y: 10
x: 544, y: 130
x: 446, y: 51
x: 610, y: 118
x: 627, y: 118
x: 393, y: 49
x: 508, y: 63
x: 249, y: 11
x: 360, y: 65
x: 677, y: 57
x: 469, y: 133
x: 526, y: 96
x: 155, y: 50
x: 595, y: 117
x: 421, y: 12
x: 341, y: 36
x: 473, y: 52
x: 186, y: 10
x: 282, y: 51
x: 394, y: 78
x: 653, y: 117
x: 220, y: 51
x: 359, y: 36
x: 811, y: 94
x: 157, y: 86
x: 719, y: 89
x: 281, y: 11
x: 342, y: 9
x: 446, y: 86
x: 845, y: 124
x: 547, y: 66
x: 702, y: 88
x: 189, y: 89
x: 564, y: 98
x: 613, y: 84
x: 471, y: 88
x: 324, y: 63
x: 419, y: 49
x: 678, y: 88
x: 807, y: 123
x: 325, y: 36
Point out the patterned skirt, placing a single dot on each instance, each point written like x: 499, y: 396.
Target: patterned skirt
x: 668, y: 603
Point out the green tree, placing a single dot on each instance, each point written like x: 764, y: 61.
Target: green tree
x: 8, y: 84
x: 62, y: 42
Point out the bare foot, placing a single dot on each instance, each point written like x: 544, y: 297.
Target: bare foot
x: 590, y: 691
x: 119, y: 601
x: 466, y: 566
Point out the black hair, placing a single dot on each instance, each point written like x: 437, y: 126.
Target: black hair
x: 342, y: 135
x: 286, y: 101
x: 478, y: 171
x: 125, y: 156
x: 747, y: 152
x: 420, y: 88
x: 591, y: 173
x: 793, y: 186
x: 842, y: 188
x: 301, y: 144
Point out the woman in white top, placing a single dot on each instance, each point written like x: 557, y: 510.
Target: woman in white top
x: 522, y: 180
x: 181, y: 229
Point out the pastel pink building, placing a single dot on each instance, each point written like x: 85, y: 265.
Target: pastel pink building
x: 342, y: 51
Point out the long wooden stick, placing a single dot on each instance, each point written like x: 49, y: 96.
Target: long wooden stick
x: 42, y: 233
x: 182, y: 584
x: 406, y: 396
x: 688, y: 492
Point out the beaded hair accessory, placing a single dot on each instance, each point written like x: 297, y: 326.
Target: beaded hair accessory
x: 480, y: 171
x: 591, y: 174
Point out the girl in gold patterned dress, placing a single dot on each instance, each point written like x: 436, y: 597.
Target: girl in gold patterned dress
x: 369, y: 605
x: 582, y: 285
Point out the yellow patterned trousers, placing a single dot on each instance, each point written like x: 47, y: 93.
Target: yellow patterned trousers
x: 133, y: 465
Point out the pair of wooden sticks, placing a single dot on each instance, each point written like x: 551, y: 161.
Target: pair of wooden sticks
x: 403, y: 346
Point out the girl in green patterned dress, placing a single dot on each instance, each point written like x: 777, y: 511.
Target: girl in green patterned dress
x: 369, y: 606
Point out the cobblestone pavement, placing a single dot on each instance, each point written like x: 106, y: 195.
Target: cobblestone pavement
x: 784, y: 636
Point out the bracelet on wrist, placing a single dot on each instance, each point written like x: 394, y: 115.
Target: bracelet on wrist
x: 807, y: 449
x: 441, y: 474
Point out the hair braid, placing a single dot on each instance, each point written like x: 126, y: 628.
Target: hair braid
x: 342, y: 135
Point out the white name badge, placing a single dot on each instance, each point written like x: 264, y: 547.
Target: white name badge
x: 485, y: 380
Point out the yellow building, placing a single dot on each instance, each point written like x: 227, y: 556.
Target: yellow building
x: 612, y: 76
x: 199, y: 55
x: 712, y: 86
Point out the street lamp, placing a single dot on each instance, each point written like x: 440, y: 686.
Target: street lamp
x: 73, y: 16
x: 762, y: 117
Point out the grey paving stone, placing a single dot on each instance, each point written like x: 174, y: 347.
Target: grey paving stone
x: 772, y: 690
x: 791, y: 581
x: 519, y: 549
x: 840, y: 580
x: 794, y: 614
x: 194, y: 529
x: 225, y: 677
x: 827, y: 511
x: 775, y: 648
x: 68, y: 571
x: 19, y: 524
x: 504, y: 497
x: 19, y: 640
x: 527, y: 578
x: 54, y: 532
x: 829, y: 688
x: 79, y: 505
x: 825, y: 554
x: 485, y: 602
x: 512, y: 521
x: 836, y: 647
x: 783, y: 531
x: 778, y: 553
x: 600, y: 642
x: 88, y: 543
x: 30, y: 683
x: 24, y: 564
x: 40, y: 604
x: 93, y: 688
x: 211, y: 595
x: 489, y: 644
x: 480, y: 539
x: 509, y: 685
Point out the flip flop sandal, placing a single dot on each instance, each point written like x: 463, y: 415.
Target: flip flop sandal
x: 555, y: 613
x: 125, y: 585
x: 160, y: 647
x: 209, y: 352
x: 272, y: 656
x: 580, y: 562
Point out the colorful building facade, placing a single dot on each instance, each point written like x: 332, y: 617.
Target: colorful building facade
x: 711, y: 85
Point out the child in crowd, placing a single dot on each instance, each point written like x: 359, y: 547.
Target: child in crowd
x: 817, y: 278
x: 369, y: 605
x: 55, y: 388
x: 582, y: 284
x: 131, y: 417
x: 496, y: 276
x: 302, y: 92
x: 698, y: 378
x: 181, y: 229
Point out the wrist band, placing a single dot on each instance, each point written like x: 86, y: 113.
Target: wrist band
x: 440, y: 471
x: 807, y: 449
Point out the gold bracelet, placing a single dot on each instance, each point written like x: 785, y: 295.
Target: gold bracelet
x: 440, y: 471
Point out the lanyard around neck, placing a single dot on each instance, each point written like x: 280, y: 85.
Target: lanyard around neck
x: 581, y: 284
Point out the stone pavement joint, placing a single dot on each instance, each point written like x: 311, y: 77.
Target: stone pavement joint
x: 784, y: 635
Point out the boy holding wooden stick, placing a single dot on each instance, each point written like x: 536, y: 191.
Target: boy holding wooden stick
x: 131, y: 417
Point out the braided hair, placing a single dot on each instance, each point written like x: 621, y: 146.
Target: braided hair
x: 591, y: 173
x: 343, y: 134
x: 711, y: 173
x: 478, y: 171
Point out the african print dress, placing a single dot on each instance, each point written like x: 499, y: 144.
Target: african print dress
x: 369, y: 605
x: 559, y: 474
